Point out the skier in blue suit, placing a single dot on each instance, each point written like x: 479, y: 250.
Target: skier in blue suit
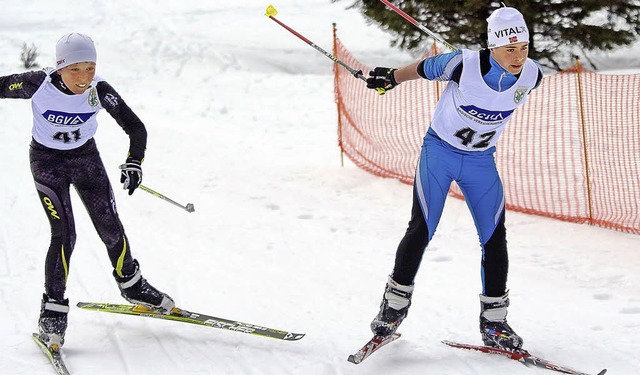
x: 484, y: 89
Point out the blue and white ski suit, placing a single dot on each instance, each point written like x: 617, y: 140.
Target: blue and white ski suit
x: 474, y: 109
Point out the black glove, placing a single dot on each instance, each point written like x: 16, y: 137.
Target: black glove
x: 381, y: 79
x: 131, y: 175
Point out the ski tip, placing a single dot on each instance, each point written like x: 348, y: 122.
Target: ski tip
x: 602, y: 372
x: 293, y: 336
x: 36, y: 338
x: 352, y: 358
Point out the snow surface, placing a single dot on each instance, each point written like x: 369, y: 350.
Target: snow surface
x: 242, y: 124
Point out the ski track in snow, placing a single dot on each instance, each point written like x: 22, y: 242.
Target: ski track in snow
x: 242, y: 123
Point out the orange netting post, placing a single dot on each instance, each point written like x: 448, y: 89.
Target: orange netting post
x: 578, y: 68
x: 336, y: 93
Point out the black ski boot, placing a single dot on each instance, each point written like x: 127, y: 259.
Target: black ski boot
x: 393, y: 308
x: 137, y: 290
x: 52, y: 323
x: 494, y: 328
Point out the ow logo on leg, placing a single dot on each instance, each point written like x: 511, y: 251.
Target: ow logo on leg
x: 50, y: 207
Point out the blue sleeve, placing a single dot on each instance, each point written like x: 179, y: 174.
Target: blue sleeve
x: 440, y: 67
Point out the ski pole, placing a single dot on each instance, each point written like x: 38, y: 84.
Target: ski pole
x: 272, y: 12
x: 189, y: 207
x: 420, y: 26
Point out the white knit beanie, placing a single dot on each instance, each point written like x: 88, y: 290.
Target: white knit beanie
x: 74, y: 48
x: 506, y: 26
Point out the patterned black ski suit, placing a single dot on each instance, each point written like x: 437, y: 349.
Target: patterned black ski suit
x: 55, y: 170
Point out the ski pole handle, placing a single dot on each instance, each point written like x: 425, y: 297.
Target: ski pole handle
x: 189, y: 207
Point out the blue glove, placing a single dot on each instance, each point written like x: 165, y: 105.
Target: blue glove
x: 131, y: 175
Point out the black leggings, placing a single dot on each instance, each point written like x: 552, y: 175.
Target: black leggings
x: 495, y: 260
x: 54, y: 171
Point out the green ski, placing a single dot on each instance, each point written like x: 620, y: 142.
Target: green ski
x: 185, y: 316
x: 53, y: 354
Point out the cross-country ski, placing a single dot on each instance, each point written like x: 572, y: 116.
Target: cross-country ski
x: 184, y: 316
x: 521, y: 356
x: 53, y: 354
x: 371, y: 347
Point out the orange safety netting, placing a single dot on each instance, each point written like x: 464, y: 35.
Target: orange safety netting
x: 572, y: 152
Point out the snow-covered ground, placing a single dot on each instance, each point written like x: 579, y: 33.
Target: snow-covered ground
x: 242, y: 124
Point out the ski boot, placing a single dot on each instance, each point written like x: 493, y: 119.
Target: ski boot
x: 137, y: 290
x: 52, y: 323
x: 393, y: 308
x: 494, y: 328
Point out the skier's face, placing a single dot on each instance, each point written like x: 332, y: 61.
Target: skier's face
x: 512, y: 56
x: 77, y: 77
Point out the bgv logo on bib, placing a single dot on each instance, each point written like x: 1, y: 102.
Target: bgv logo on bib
x: 484, y: 116
x: 66, y: 119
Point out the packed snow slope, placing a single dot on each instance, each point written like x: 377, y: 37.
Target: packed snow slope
x: 242, y: 124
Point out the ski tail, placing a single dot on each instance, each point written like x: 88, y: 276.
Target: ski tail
x: 372, y: 346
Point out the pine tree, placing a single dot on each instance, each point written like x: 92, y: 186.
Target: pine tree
x: 559, y: 29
